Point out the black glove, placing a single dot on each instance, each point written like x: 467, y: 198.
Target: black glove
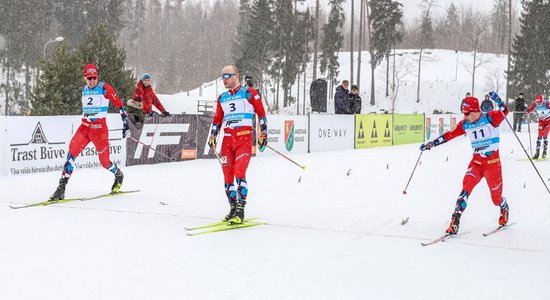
x: 139, y: 99
x: 427, y: 146
x: 125, y: 126
x: 262, y: 140
x: 166, y: 113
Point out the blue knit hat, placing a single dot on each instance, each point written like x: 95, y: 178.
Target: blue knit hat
x: 145, y: 76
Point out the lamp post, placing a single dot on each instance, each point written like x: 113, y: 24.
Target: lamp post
x: 57, y: 39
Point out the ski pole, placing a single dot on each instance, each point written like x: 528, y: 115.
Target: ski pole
x: 303, y: 167
x: 524, y: 150
x: 414, y: 169
x: 156, y: 151
x: 218, y: 157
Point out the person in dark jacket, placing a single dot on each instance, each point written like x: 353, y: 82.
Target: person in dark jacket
x: 144, y: 94
x: 134, y: 108
x: 341, y: 101
x: 519, y: 108
x: 487, y: 104
x: 355, y: 100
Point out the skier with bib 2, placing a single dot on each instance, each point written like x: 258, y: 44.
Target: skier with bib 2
x: 96, y: 96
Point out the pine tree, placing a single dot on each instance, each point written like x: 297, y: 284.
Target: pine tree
x: 78, y: 17
x: 332, y: 42
x: 255, y: 56
x: 58, y: 91
x: 530, y: 51
x: 385, y: 19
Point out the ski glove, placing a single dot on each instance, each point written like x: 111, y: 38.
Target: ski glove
x: 262, y: 140
x: 166, y: 114
x: 494, y: 96
x: 212, y: 141
x: 429, y: 145
x: 125, y: 126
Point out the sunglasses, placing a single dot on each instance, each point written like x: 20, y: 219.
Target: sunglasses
x: 91, y: 78
x: 228, y: 75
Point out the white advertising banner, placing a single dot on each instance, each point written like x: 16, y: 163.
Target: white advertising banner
x: 3, y: 153
x: 331, y: 132
x: 286, y: 134
x: 40, y: 144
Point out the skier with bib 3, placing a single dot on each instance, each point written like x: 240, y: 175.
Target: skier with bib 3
x: 483, y: 132
x: 96, y: 96
x: 235, y: 109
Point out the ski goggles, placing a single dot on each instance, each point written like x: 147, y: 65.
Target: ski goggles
x: 228, y: 75
x: 91, y: 78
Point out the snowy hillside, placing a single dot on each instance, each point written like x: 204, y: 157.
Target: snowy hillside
x: 445, y: 79
x: 329, y: 235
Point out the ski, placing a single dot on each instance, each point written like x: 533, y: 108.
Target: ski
x: 216, y: 224
x: 533, y: 159
x: 439, y: 239
x: 499, y: 228
x: 226, y: 227
x: 45, y: 203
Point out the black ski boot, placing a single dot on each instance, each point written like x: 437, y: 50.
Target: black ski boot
x: 59, y: 193
x: 536, y: 156
x: 119, y: 177
x: 544, y: 154
x: 453, y: 226
x: 238, y: 218
x: 231, y: 214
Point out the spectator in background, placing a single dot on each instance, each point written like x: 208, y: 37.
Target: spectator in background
x: 519, y: 108
x: 249, y: 82
x: 144, y: 94
x: 487, y: 104
x: 134, y: 108
x: 468, y: 95
x: 355, y: 100
x: 341, y: 100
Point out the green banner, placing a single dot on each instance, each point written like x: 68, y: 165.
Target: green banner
x: 373, y: 131
x: 408, y: 129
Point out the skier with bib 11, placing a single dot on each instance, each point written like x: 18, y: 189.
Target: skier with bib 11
x: 236, y: 108
x: 96, y: 96
x: 483, y: 132
x: 542, y: 108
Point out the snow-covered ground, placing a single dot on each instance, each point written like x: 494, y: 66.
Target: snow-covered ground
x: 330, y: 236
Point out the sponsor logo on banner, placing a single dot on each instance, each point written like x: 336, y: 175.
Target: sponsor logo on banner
x: 361, y: 132
x: 440, y: 127
x: 37, y: 148
x: 289, y: 134
x: 188, y: 153
x: 160, y: 134
x: 374, y: 132
x: 428, y: 128
x: 453, y: 123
